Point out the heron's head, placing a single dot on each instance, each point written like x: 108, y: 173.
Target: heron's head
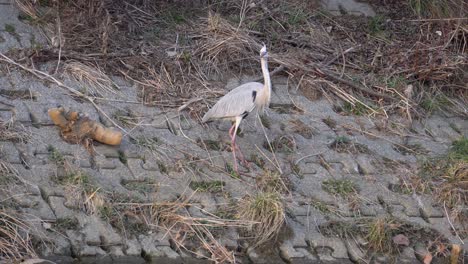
x: 263, y: 52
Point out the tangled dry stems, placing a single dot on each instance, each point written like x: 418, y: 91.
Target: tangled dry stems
x: 94, y: 31
x: 180, y: 226
x: 12, y: 131
x: 267, y: 210
x: 15, y: 237
x: 95, y: 82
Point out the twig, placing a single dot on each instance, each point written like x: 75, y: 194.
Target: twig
x: 278, y: 166
x: 451, y: 225
x: 340, y: 55
x: 191, y: 101
x: 332, y: 75
x: 380, y: 137
x: 307, y: 156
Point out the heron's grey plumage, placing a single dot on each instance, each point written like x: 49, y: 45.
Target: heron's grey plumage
x: 235, y: 103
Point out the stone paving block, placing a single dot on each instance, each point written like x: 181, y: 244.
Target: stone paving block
x: 104, y: 163
x: 207, y: 202
x: 107, y: 151
x: 155, y: 239
x: 355, y: 252
x: 85, y: 251
x: 298, y: 236
x: 407, y: 256
x: 61, y: 246
x: 256, y: 256
x: 337, y: 246
x: 230, y: 238
x: 365, y: 164
x: 132, y: 247
x: 136, y: 167
x: 57, y: 205
x: 41, y: 209
x: 21, y: 112
x: 307, y: 259
x: 154, y: 248
x: 109, y: 179
x: 440, y: 128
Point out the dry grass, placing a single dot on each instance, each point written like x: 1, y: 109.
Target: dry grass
x: 449, y: 177
x: 15, y: 237
x: 384, y: 235
x: 453, y: 191
x: 267, y: 210
x: 79, y: 189
x: 272, y: 182
x: 81, y: 194
x: 175, y: 220
x: 95, y: 82
x: 380, y: 235
x: 174, y: 59
x: 12, y: 131
x: 221, y: 43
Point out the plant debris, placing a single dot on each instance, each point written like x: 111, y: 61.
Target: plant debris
x: 75, y: 128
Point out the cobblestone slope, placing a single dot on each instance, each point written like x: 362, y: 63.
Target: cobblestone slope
x: 316, y: 145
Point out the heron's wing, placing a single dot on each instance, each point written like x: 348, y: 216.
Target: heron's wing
x: 235, y: 103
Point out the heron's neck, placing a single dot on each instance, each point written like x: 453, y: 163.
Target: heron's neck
x: 266, y: 78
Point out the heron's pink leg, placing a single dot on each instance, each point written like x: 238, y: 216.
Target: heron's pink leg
x: 233, y: 142
x: 242, y: 158
x: 233, y: 145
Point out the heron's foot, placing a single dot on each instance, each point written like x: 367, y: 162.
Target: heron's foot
x: 246, y: 164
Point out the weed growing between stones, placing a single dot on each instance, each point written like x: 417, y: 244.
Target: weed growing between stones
x: 215, y: 145
x: 331, y: 123
x: 145, y: 186
x: 55, y: 155
x: 80, y: 192
x: 410, y: 149
x: 322, y: 206
x: 285, y: 144
x: 341, y: 187
x: 126, y: 118
x: 342, y: 144
x: 382, y: 235
x: 149, y: 143
x: 69, y: 223
x: 271, y: 182
x: 257, y: 160
x: 450, y: 178
x: 232, y: 173
x: 302, y: 129
x: 207, y: 186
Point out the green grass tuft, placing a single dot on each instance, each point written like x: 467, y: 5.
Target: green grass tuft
x: 55, y: 155
x: 207, y: 186
x: 341, y: 187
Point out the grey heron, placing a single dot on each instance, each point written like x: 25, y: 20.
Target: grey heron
x: 240, y: 101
